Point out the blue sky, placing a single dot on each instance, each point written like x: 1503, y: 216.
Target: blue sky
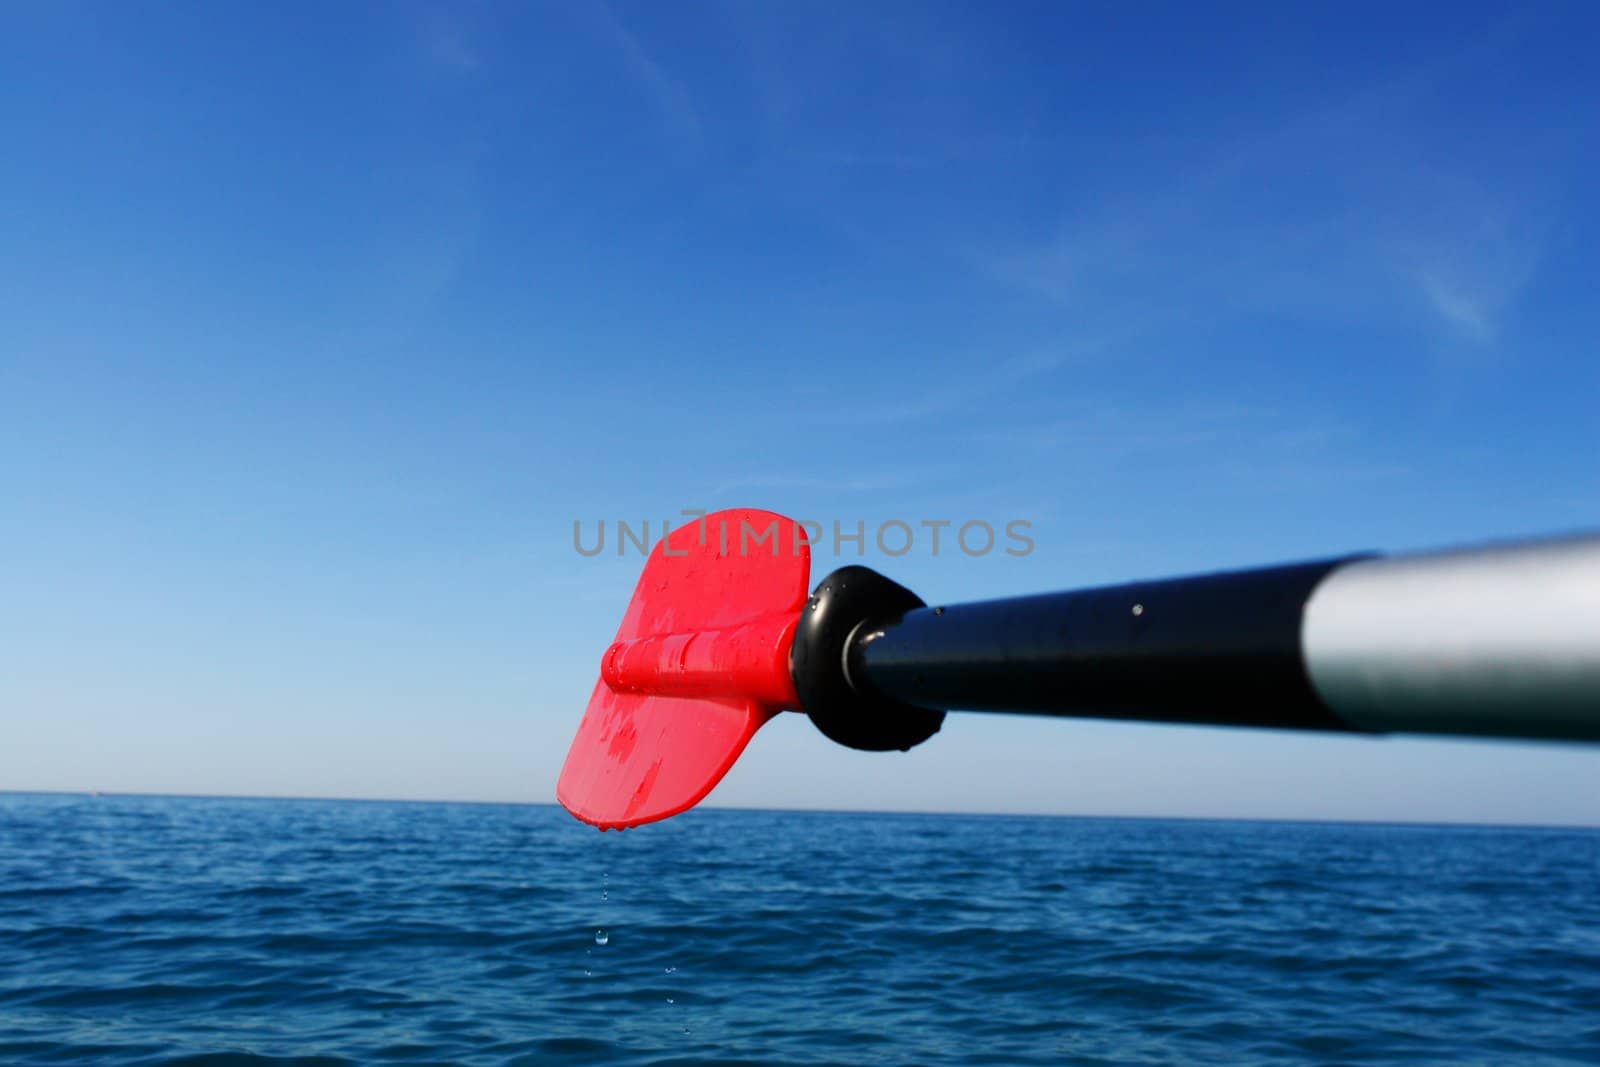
x: 319, y: 329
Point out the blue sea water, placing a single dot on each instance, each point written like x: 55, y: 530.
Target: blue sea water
x: 162, y: 930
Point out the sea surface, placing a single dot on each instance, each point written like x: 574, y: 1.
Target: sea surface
x: 138, y: 930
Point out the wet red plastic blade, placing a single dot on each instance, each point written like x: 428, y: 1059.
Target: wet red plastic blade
x: 698, y: 664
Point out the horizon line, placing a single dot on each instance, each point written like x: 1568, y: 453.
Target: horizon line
x: 899, y: 812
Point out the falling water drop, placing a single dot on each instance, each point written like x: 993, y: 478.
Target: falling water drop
x: 601, y: 937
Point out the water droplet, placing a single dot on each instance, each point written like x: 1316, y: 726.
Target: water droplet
x: 601, y: 937
x: 1138, y: 609
x: 605, y: 894
x: 671, y: 970
x: 669, y: 1000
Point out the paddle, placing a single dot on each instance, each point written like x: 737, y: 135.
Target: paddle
x: 720, y: 636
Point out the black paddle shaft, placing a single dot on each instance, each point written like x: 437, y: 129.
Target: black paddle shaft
x: 1499, y: 641
x: 1219, y: 648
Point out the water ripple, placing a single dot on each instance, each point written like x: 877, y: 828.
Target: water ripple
x: 155, y: 931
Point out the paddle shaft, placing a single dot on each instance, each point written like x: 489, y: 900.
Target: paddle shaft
x: 1501, y: 641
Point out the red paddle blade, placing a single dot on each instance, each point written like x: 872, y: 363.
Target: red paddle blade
x: 700, y: 661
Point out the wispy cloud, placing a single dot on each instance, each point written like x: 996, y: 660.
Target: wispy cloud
x: 1354, y: 210
x: 672, y: 102
x: 1462, y: 309
x: 1234, y: 443
x: 1471, y: 273
x: 970, y: 392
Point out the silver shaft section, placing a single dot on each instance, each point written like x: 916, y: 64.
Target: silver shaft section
x: 1501, y: 641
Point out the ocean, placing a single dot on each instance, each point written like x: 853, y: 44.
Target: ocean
x: 141, y: 930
